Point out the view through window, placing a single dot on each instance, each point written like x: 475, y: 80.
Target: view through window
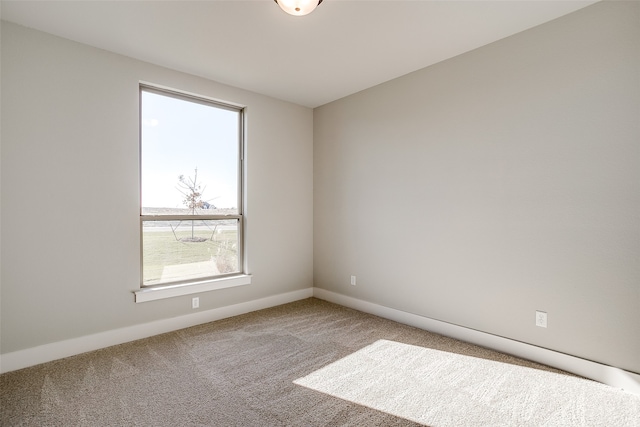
x: 190, y: 187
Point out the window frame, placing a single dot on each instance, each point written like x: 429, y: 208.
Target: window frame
x: 188, y: 286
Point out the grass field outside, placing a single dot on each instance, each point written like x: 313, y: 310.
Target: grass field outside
x: 170, y: 255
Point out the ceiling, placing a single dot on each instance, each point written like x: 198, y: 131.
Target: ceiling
x: 343, y: 47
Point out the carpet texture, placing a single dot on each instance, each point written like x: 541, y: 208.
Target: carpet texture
x: 439, y: 388
x: 237, y: 372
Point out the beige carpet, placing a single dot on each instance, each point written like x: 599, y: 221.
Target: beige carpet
x: 439, y: 388
x: 240, y: 372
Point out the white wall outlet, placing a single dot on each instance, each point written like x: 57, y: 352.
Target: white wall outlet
x: 195, y: 302
x: 541, y: 319
x: 353, y: 280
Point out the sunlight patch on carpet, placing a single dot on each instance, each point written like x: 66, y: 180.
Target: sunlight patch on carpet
x: 438, y: 388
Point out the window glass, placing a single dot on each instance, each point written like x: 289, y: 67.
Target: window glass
x: 190, y: 188
x: 189, y: 249
x: 196, y: 141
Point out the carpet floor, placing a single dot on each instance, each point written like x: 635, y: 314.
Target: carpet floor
x: 241, y: 371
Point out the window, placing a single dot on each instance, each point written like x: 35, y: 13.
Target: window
x: 190, y: 188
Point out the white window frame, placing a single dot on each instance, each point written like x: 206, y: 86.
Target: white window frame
x: 186, y: 287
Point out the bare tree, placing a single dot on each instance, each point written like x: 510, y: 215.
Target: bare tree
x: 192, y: 192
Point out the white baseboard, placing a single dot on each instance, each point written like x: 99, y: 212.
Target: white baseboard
x: 58, y: 350
x: 609, y: 375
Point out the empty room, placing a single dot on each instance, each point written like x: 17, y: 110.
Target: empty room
x: 333, y: 213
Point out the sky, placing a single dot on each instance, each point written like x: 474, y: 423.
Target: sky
x: 179, y: 136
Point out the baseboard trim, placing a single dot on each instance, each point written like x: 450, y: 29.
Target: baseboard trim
x: 609, y: 375
x: 58, y: 350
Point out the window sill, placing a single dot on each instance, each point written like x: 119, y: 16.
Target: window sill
x: 169, y: 291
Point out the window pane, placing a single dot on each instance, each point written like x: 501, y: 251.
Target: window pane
x: 188, y: 147
x: 189, y: 249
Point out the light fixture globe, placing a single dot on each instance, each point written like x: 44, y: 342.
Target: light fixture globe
x: 298, y: 7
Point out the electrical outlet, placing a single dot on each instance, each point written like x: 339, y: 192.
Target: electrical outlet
x: 541, y: 319
x: 195, y: 302
x: 353, y: 280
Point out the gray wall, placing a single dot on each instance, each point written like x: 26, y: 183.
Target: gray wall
x: 70, y: 195
x: 497, y: 183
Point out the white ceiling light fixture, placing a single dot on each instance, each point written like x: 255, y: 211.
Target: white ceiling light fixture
x: 298, y: 7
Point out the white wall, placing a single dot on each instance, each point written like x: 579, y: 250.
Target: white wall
x: 495, y: 184
x: 70, y: 204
